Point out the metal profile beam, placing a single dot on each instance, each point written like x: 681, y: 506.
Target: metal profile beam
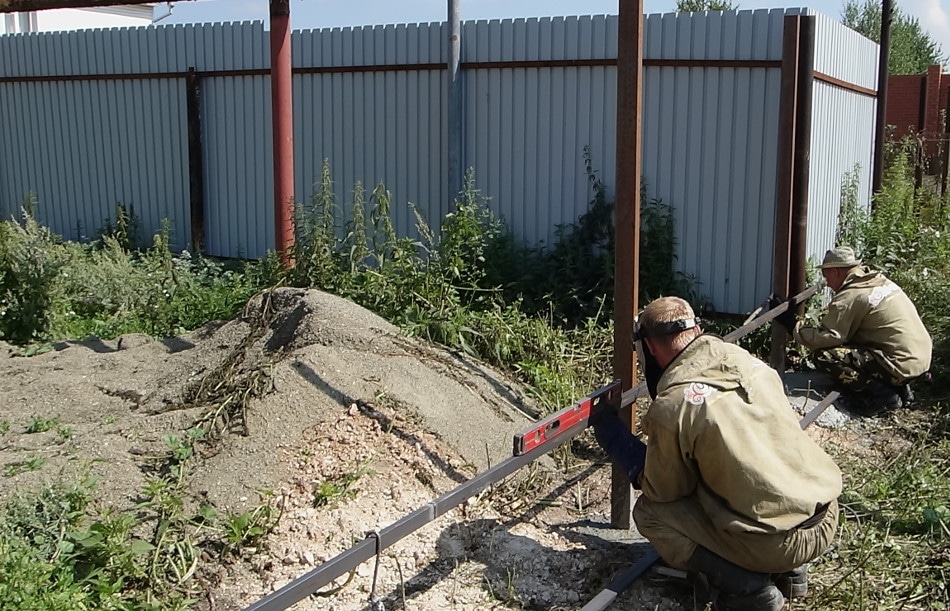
x: 640, y: 390
x: 622, y: 581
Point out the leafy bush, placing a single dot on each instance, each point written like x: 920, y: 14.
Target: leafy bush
x: 30, y: 260
x: 50, y: 289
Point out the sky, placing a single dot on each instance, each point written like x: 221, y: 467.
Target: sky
x: 934, y: 15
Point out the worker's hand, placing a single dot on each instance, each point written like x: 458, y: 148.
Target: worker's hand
x: 607, y: 413
x: 620, y: 444
x: 787, y: 318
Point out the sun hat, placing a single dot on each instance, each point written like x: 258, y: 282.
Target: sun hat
x: 842, y: 256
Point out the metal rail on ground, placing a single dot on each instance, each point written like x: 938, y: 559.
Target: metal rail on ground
x: 537, y: 440
x: 533, y: 442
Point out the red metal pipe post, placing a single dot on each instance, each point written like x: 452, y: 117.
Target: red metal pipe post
x: 281, y: 82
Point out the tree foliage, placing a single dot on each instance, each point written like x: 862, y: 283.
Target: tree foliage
x: 693, y: 6
x: 912, y: 49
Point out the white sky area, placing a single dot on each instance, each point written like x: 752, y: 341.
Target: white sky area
x: 77, y: 19
x: 934, y: 15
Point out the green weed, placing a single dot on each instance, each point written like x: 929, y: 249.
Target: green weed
x: 331, y: 492
x: 31, y: 258
x: 40, y: 425
x: 15, y: 468
x: 250, y: 527
x: 63, y: 434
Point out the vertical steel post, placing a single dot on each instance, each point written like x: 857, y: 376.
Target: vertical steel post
x: 455, y: 101
x: 788, y: 104
x: 882, y: 74
x: 627, y: 232
x: 195, y: 161
x: 806, y: 79
x: 281, y: 81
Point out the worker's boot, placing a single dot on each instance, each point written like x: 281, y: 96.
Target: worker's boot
x: 907, y: 394
x: 793, y: 584
x: 721, y: 584
x: 878, y: 397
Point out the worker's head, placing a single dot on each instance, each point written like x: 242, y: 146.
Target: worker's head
x: 836, y: 266
x: 667, y: 325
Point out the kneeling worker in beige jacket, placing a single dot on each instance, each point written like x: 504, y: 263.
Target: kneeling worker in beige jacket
x: 871, y: 341
x: 732, y: 489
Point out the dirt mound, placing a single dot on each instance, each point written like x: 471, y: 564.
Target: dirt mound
x: 287, y: 364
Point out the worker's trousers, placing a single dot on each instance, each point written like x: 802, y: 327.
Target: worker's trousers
x: 677, y: 527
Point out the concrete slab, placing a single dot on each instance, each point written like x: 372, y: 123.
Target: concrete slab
x: 805, y: 389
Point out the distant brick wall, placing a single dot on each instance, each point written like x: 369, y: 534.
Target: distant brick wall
x: 904, y: 96
x: 920, y: 105
x: 916, y: 102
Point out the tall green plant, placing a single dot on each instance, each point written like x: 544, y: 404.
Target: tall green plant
x: 30, y: 261
x: 125, y: 228
x: 315, y: 237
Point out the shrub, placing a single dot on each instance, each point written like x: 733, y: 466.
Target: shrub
x: 30, y: 260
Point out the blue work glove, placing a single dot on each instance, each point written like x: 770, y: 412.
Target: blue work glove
x: 620, y: 444
x: 787, y: 318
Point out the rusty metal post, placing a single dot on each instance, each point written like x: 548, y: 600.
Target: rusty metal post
x: 195, y: 161
x: 282, y: 91
x: 882, y: 74
x: 797, y: 273
x: 627, y: 232
x: 788, y: 103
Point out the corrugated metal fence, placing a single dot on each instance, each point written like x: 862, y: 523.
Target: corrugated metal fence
x: 96, y: 118
x: 843, y: 112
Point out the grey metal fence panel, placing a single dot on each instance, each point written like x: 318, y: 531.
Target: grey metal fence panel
x: 526, y: 127
x: 373, y: 126
x: 839, y: 136
x: 84, y: 147
x: 710, y: 136
x: 238, y: 166
x: 843, y: 53
x: 172, y: 48
x: 709, y: 132
x: 237, y: 140
x: 842, y: 132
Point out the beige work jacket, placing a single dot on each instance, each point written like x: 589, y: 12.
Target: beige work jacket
x: 721, y: 428
x: 871, y: 312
